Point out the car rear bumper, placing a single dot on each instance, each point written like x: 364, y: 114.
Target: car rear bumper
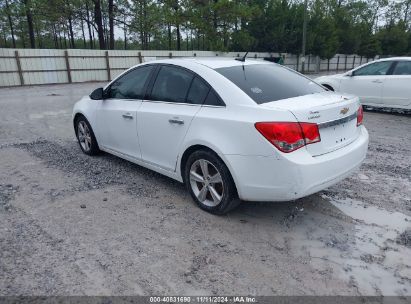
x: 291, y: 176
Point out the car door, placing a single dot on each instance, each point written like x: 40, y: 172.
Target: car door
x: 117, y: 112
x: 165, y: 116
x: 397, y: 87
x: 367, y: 82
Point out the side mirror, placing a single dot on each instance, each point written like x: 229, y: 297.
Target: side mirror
x: 97, y: 94
x: 349, y: 74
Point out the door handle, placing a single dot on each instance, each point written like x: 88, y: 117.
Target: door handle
x: 127, y: 116
x: 176, y: 121
x: 377, y: 81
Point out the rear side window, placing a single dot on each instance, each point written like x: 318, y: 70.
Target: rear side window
x: 269, y: 82
x: 198, y: 91
x: 131, y: 85
x: 402, y: 68
x: 171, y: 85
x: 213, y: 99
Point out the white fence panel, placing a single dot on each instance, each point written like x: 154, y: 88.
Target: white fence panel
x: 41, y: 66
x: 9, y: 80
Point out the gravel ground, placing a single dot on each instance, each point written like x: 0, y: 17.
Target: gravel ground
x: 77, y: 225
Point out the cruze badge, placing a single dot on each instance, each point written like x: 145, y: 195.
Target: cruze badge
x: 314, y: 115
x: 344, y: 111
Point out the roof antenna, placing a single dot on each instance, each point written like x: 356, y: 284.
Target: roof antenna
x: 242, y: 59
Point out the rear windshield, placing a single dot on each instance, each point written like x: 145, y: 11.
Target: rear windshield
x: 269, y: 82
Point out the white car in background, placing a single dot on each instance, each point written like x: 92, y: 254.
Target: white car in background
x: 381, y: 83
x: 228, y: 129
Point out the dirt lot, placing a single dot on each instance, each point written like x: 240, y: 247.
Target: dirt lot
x: 75, y: 225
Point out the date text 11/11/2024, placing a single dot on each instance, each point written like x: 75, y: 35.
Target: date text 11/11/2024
x: 203, y: 299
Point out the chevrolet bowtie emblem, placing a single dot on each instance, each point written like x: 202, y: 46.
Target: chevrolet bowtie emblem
x: 344, y: 111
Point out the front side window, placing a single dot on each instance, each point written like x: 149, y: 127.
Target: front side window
x: 172, y: 85
x: 377, y: 68
x: 130, y: 85
x: 269, y: 82
x: 402, y: 68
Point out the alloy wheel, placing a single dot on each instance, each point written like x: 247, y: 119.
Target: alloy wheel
x: 206, y: 183
x: 84, y: 135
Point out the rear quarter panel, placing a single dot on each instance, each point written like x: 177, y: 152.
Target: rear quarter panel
x: 231, y: 131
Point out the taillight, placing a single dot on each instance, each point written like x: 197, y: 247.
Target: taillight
x: 289, y: 136
x: 360, y: 116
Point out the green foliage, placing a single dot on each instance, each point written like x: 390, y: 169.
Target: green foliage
x: 277, y: 26
x: 363, y: 27
x: 324, y: 39
x: 322, y: 35
x: 242, y: 41
x: 370, y: 47
x: 394, y: 39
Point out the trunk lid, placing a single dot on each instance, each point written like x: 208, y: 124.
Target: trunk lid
x: 335, y: 115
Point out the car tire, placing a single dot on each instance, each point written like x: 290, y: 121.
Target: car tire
x: 85, y: 136
x: 210, y: 183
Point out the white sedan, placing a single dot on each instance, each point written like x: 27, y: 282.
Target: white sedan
x: 229, y: 130
x: 381, y: 83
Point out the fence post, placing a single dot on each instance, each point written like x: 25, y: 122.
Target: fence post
x: 328, y: 65
x: 108, y: 66
x: 298, y: 62
x: 309, y: 58
x: 318, y: 63
x: 67, y: 66
x: 140, y: 59
x: 345, y: 63
x: 353, y: 62
x: 338, y: 62
x: 170, y: 55
x: 16, y: 53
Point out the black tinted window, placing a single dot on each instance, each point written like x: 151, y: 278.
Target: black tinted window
x: 213, y: 99
x: 198, y: 91
x: 130, y: 85
x: 269, y: 82
x: 403, y: 68
x: 172, y: 84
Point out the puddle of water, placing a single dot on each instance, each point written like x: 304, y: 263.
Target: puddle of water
x: 364, y: 253
x: 376, y: 260
x: 373, y: 215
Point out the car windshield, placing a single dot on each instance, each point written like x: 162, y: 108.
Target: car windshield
x: 269, y: 82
